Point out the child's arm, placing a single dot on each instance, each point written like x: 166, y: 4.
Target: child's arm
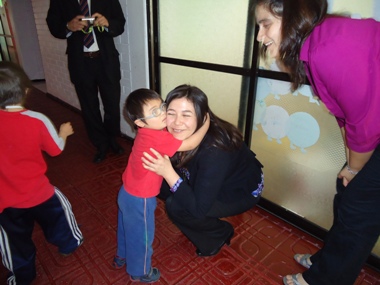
x: 195, y: 139
x: 65, y: 130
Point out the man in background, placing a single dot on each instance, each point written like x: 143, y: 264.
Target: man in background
x: 93, y: 62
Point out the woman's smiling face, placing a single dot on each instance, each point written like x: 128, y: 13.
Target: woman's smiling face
x: 269, y: 31
x: 181, y: 118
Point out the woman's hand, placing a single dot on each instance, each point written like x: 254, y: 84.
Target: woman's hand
x: 160, y: 164
x: 346, y: 176
x: 355, y: 161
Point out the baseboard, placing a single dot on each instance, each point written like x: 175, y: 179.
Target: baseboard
x: 72, y: 108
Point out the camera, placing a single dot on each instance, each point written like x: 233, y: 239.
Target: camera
x: 89, y: 19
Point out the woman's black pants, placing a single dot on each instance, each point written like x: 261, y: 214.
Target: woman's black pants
x: 355, y: 229
x: 210, y: 232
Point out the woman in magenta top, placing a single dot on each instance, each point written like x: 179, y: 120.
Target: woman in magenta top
x: 341, y: 58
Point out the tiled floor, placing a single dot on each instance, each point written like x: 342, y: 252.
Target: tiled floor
x: 260, y: 253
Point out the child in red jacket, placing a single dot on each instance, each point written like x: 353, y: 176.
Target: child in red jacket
x: 26, y: 194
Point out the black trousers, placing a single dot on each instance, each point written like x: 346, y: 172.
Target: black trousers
x: 209, y: 232
x: 100, y: 130
x: 16, y: 227
x: 355, y: 229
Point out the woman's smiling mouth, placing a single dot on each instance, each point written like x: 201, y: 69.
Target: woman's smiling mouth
x: 268, y: 43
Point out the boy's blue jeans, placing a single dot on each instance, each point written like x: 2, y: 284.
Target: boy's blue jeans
x: 135, y: 232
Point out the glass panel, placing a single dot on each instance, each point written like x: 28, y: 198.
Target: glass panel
x: 358, y: 9
x: 298, y: 142
x: 7, y: 49
x: 197, y: 29
x: 4, y: 50
x: 222, y: 90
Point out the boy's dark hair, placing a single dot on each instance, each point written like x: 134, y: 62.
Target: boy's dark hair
x: 14, y: 84
x: 136, y: 100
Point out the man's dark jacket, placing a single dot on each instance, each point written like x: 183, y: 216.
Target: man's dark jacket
x: 62, y: 11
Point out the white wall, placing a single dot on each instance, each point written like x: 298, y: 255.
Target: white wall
x: 28, y: 50
x: 134, y: 49
x: 132, y: 46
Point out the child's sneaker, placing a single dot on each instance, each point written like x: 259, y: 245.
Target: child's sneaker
x: 66, y: 254
x: 118, y: 262
x: 152, y: 276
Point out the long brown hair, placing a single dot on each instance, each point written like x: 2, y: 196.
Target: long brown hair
x: 299, y: 17
x: 221, y: 134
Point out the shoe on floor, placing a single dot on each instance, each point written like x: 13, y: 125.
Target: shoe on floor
x: 227, y: 241
x: 118, y: 262
x: 303, y: 259
x: 294, y: 280
x: 69, y: 253
x: 116, y: 148
x: 99, y: 156
x: 153, y: 275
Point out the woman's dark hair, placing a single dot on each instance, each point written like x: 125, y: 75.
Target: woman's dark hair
x: 221, y: 134
x: 299, y: 17
x: 135, y: 102
x: 14, y: 84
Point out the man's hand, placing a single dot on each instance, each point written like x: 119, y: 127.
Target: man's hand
x: 76, y: 24
x: 100, y: 20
